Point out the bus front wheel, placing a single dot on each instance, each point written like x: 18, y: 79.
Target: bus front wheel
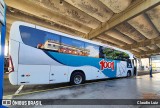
x: 77, y: 78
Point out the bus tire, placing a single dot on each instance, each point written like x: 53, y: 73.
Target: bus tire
x: 77, y: 78
x: 129, y: 73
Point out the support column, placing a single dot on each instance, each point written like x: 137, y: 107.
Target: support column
x: 150, y: 60
x: 136, y: 67
x: 2, y: 44
x: 140, y: 64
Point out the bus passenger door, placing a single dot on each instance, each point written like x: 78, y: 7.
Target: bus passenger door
x: 58, y: 74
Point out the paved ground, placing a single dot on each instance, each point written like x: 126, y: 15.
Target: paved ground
x: 141, y: 87
x: 11, y: 89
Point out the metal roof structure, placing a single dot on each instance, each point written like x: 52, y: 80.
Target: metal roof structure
x: 133, y: 25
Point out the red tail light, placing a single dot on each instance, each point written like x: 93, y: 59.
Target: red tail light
x: 10, y: 68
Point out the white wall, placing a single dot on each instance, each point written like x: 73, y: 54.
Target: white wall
x: 143, y: 63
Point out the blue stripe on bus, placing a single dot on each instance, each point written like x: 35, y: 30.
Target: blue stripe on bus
x: 76, y: 61
x: 51, y: 56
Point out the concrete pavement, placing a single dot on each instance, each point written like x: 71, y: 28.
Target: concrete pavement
x: 11, y: 89
x: 141, y: 87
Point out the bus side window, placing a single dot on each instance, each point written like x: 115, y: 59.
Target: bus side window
x: 108, y: 53
x: 93, y: 50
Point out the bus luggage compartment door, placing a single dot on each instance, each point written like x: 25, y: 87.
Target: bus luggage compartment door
x: 33, y: 74
x: 58, y: 74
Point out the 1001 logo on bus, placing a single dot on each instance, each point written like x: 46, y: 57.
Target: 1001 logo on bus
x: 106, y: 65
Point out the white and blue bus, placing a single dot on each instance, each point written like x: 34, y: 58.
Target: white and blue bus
x: 42, y: 56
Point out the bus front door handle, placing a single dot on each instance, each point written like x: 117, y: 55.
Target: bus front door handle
x: 52, y: 74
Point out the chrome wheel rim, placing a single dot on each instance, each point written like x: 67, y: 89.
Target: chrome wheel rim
x: 77, y: 79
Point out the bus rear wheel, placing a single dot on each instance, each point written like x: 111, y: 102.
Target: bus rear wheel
x: 77, y: 78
